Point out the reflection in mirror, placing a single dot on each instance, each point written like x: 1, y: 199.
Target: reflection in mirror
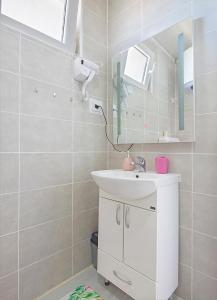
x: 153, y: 92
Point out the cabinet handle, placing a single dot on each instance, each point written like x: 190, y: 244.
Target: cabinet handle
x: 127, y: 223
x: 118, y: 214
x: 129, y: 282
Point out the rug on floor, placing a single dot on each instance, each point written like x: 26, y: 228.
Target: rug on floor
x: 84, y: 292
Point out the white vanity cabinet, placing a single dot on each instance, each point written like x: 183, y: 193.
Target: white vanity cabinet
x: 125, y: 235
x: 138, y: 243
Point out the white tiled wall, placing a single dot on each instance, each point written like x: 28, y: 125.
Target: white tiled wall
x: 131, y: 22
x: 49, y: 143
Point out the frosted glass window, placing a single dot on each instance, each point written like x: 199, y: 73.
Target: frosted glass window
x: 136, y: 64
x: 45, y: 16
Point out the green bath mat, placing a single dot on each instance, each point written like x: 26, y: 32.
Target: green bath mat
x: 84, y: 292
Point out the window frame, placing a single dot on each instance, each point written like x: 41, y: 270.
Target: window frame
x: 69, y: 34
x: 133, y: 81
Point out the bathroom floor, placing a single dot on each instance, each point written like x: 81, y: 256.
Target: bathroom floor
x: 89, y: 277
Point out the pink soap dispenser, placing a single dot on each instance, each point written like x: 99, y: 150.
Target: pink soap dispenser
x: 161, y: 164
x: 128, y: 164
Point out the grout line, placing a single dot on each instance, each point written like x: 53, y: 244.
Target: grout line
x: 72, y: 195
x: 205, y: 73
x: 205, y: 234
x: 19, y: 149
x: 94, y: 13
x: 107, y: 78
x: 44, y: 223
x: 205, y: 114
x: 48, y: 187
x: 45, y: 82
x: 53, y: 118
x: 8, y: 274
x: 45, y: 258
x: 203, y: 194
x: 8, y: 234
x: 46, y: 152
x: 206, y: 275
x: 80, y: 241
x: 192, y: 222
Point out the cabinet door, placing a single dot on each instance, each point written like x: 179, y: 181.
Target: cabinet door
x: 111, y: 227
x: 140, y: 234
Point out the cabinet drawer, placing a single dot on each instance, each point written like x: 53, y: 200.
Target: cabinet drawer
x: 134, y: 284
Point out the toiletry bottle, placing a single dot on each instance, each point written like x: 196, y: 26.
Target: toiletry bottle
x: 127, y: 164
x: 161, y: 164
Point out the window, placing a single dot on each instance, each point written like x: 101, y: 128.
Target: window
x: 136, y: 64
x: 55, y: 19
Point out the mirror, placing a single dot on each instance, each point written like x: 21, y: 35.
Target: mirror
x: 153, y: 89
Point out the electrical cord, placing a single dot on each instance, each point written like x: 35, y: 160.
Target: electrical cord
x: 106, y: 131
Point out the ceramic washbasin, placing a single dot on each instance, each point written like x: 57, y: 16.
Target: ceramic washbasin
x: 131, y: 185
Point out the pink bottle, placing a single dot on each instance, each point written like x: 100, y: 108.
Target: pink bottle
x: 161, y: 164
x: 128, y: 164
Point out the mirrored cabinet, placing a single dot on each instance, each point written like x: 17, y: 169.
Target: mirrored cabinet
x: 153, y: 89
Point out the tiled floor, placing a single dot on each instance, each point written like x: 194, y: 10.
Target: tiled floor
x: 91, y: 278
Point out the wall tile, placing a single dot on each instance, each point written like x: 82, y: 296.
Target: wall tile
x: 206, y: 48
x: 9, y: 287
x: 93, y: 53
x: 167, y: 8
x: 115, y: 160
x: 41, y: 170
x: 126, y: 24
x: 85, y: 223
x: 9, y: 132
x: 98, y: 86
x: 206, y: 89
x: 81, y: 111
x: 204, y: 287
x: 206, y: 140
x: 8, y: 95
x: 185, y: 242
x: 184, y: 288
x: 115, y: 7
x: 84, y: 163
x: 8, y: 213
x: 46, y: 64
x: 85, y: 196
x: 97, y: 6
x: 44, y: 135
x: 182, y: 164
x: 9, y: 169
x: 81, y: 256
x: 185, y: 209
x: 204, y: 9
x: 46, y: 273
x: 205, y: 212
x: 45, y: 205
x: 37, y: 99
x: 87, y: 137
x: 8, y: 254
x: 9, y: 52
x: 44, y: 240
x: 205, y: 21
x: 168, y: 148
x: 205, y: 254
x: 94, y: 26
x: 205, y: 174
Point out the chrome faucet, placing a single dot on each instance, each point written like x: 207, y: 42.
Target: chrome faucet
x: 140, y: 163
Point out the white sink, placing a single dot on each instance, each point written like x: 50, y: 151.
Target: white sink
x: 131, y: 185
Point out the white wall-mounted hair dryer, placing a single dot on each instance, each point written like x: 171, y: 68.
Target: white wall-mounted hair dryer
x: 84, y: 71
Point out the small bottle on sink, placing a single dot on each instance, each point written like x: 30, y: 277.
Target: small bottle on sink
x: 128, y: 164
